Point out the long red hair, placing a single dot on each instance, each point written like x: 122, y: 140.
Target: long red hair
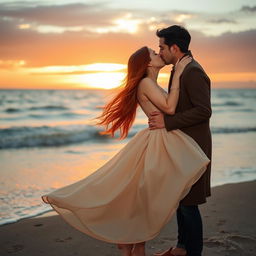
x: 120, y: 112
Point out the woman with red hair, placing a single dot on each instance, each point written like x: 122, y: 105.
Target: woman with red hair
x: 129, y: 199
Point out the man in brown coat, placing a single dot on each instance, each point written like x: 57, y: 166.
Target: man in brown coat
x: 192, y: 117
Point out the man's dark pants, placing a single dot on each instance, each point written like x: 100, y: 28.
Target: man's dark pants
x: 190, y: 229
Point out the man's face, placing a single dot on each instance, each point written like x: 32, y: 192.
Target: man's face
x: 166, y: 53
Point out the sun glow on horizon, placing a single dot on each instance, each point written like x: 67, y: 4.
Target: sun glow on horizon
x: 92, y: 76
x: 100, y: 80
x: 94, y: 67
x: 95, y: 75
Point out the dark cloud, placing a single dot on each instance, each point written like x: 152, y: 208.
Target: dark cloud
x: 77, y: 14
x: 229, y: 52
x: 223, y: 20
x: 246, y: 8
x: 61, y: 15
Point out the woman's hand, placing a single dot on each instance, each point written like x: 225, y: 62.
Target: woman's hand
x: 182, y: 64
x: 179, y: 68
x: 156, y: 120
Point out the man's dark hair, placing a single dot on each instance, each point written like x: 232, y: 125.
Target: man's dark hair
x: 175, y: 35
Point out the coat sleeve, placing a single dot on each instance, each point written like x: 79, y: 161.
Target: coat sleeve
x: 197, y: 85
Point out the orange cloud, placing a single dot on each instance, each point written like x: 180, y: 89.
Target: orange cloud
x: 76, y: 35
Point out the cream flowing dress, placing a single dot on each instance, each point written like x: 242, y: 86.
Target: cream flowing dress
x: 131, y: 197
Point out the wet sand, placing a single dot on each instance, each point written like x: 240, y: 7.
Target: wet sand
x: 229, y: 230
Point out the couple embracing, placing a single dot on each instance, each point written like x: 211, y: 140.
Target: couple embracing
x: 164, y: 169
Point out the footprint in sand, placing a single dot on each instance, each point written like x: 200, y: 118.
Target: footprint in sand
x: 233, y: 242
x: 223, y: 232
x: 213, y: 242
x: 15, y: 248
x: 246, y: 241
x: 160, y: 242
x: 221, y: 222
x: 58, y: 240
x: 38, y: 225
x: 168, y: 238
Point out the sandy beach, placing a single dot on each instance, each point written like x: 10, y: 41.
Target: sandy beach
x: 229, y: 229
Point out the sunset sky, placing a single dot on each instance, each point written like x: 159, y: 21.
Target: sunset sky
x: 80, y: 44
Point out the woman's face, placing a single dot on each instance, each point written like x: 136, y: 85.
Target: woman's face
x: 155, y: 59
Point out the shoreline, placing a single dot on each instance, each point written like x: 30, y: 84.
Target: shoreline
x: 51, y: 212
x: 228, y: 217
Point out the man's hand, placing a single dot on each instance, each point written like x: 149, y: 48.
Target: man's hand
x: 156, y: 120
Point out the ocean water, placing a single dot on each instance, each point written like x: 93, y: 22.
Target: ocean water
x: 48, y: 139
